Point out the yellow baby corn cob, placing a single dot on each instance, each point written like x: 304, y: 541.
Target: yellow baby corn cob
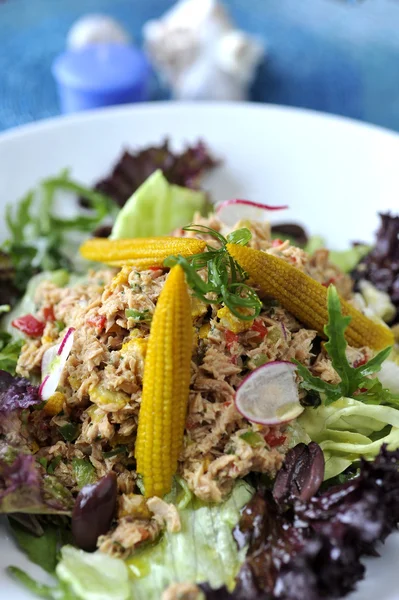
x: 165, y: 386
x: 305, y: 298
x: 139, y: 252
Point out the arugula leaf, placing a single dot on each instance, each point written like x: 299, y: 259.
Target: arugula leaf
x: 355, y: 381
x: 336, y: 345
x: 41, y: 241
x: 226, y: 279
x: 9, y: 352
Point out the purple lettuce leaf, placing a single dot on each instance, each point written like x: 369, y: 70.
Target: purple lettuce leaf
x: 26, y: 488
x: 313, y: 548
x: 381, y: 265
x: 184, y: 168
x: 16, y: 393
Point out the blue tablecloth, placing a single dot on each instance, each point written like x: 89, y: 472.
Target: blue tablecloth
x: 339, y: 56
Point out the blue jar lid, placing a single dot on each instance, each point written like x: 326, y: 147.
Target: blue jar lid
x: 101, y: 75
x: 101, y: 67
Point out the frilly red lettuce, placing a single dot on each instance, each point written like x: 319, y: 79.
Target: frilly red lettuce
x: 16, y: 393
x: 313, y: 549
x: 381, y: 265
x: 184, y: 168
x: 26, y: 488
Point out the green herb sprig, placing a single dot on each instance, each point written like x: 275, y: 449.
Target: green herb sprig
x: 225, y: 280
x: 355, y: 381
x: 40, y: 240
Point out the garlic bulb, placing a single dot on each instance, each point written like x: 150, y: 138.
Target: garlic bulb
x: 96, y: 29
x: 199, y: 52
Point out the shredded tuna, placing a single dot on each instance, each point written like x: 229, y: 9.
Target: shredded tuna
x: 103, y: 377
x: 181, y: 591
x: 166, y: 514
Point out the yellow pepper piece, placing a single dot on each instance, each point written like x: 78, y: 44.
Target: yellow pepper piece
x: 204, y: 330
x: 232, y: 322
x: 165, y: 386
x: 137, y: 345
x: 305, y: 298
x: 108, y: 400
x: 54, y: 404
x: 141, y: 253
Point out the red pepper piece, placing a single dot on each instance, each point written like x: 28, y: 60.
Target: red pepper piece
x: 29, y: 325
x: 359, y: 362
x: 48, y: 314
x: 259, y: 327
x: 329, y: 281
x: 231, y: 338
x: 98, y: 321
x: 274, y: 439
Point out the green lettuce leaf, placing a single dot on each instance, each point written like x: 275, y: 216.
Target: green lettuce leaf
x: 345, y: 260
x: 157, y: 208
x: 40, y: 549
x: 9, y: 352
x: 350, y: 429
x: 204, y: 550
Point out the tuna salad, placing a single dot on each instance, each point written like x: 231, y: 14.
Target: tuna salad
x: 196, y: 407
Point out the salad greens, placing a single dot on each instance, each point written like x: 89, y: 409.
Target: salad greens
x: 157, y: 207
x: 346, y: 260
x: 353, y: 379
x: 226, y: 280
x: 358, y: 414
x: 9, y: 352
x: 185, y: 168
x: 39, y: 239
x: 204, y: 550
x: 350, y: 429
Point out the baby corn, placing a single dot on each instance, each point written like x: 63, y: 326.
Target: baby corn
x: 165, y: 386
x: 305, y: 298
x: 140, y: 252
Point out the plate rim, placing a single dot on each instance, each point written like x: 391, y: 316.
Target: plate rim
x: 173, y: 106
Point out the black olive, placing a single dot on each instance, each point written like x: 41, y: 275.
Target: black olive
x: 94, y: 511
x: 292, y: 230
x: 301, y: 474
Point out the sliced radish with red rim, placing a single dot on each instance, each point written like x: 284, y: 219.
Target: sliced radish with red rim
x: 232, y: 211
x: 53, y: 364
x: 269, y: 395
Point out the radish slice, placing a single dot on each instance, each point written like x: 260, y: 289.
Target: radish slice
x: 232, y: 211
x: 53, y: 363
x: 269, y: 395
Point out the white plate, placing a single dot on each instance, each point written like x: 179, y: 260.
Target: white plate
x: 334, y: 173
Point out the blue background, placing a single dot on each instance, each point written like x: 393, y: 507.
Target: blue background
x: 338, y: 56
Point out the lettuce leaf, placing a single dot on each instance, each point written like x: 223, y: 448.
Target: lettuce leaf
x: 345, y: 260
x: 40, y: 549
x: 9, y: 352
x: 204, y: 550
x: 184, y: 168
x: 350, y: 429
x: 314, y: 549
x: 16, y: 393
x: 24, y: 488
x: 157, y: 208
